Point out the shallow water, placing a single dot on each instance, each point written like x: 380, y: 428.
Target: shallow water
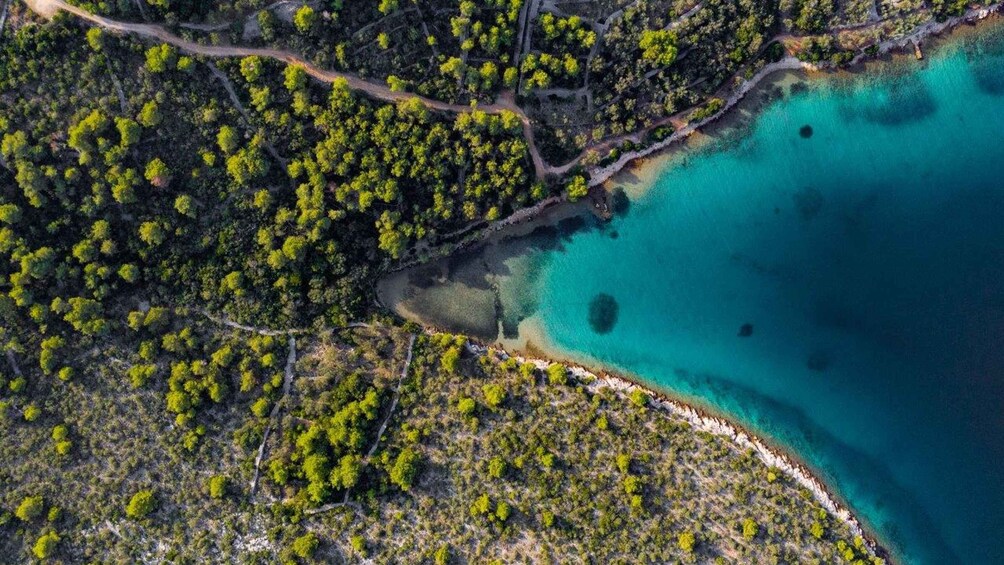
x: 838, y: 288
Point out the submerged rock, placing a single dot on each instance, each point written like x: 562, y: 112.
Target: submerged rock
x: 805, y: 131
x: 808, y: 202
x: 819, y: 361
x: 603, y: 312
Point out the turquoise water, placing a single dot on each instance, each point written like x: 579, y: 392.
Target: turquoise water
x: 840, y: 291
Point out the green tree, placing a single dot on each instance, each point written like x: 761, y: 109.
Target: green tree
x: 152, y: 233
x: 639, y: 398
x: 129, y: 273
x: 624, y: 463
x: 442, y: 556
x: 248, y: 164
x: 405, y: 468
x: 141, y: 504
x: 251, y: 68
x: 295, y: 78
x: 305, y: 545
x: 450, y: 360
x: 466, y: 406
x: 228, y: 139
x: 10, y: 214
x: 658, y: 46
x: 150, y: 115
x: 494, y: 395
x: 184, y: 204
x: 96, y: 39
x: 217, y: 486
x: 750, y: 529
x: 157, y: 173
x: 686, y: 541
x: 502, y: 511
x: 129, y: 130
x: 557, y: 374
x: 45, y: 545
x: 160, y: 58
x: 30, y: 508
x: 496, y: 467
x: 577, y: 188
x: 304, y: 19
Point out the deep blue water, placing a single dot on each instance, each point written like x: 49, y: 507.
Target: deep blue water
x: 840, y: 291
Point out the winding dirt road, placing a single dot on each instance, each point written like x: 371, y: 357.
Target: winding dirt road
x: 505, y: 103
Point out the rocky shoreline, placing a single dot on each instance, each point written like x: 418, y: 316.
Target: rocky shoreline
x: 910, y: 42
x: 768, y: 454
x: 771, y: 455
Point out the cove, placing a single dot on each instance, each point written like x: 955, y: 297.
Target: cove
x: 829, y: 275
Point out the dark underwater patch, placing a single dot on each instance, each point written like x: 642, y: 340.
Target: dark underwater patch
x: 570, y: 226
x: 808, y: 202
x: 746, y: 330
x: 906, y: 100
x: 988, y: 75
x: 620, y: 204
x: 603, y: 311
x: 985, y: 57
x: 805, y: 131
x: 510, y: 326
x: 819, y: 361
x: 425, y: 276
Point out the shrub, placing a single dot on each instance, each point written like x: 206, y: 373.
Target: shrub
x: 358, y: 544
x: 45, y: 545
x: 496, y: 467
x: 494, y: 395
x: 442, y: 556
x: 624, y: 463
x: 466, y: 407
x: 750, y: 528
x: 686, y: 541
x: 305, y: 545
x: 557, y: 374
x: 450, y: 360
x: 217, y: 486
x: 502, y: 511
x: 639, y: 397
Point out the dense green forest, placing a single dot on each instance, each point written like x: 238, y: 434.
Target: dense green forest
x: 188, y: 252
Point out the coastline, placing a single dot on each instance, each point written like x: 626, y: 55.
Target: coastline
x: 475, y: 235
x: 937, y: 35
x: 771, y: 455
x: 911, y: 43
